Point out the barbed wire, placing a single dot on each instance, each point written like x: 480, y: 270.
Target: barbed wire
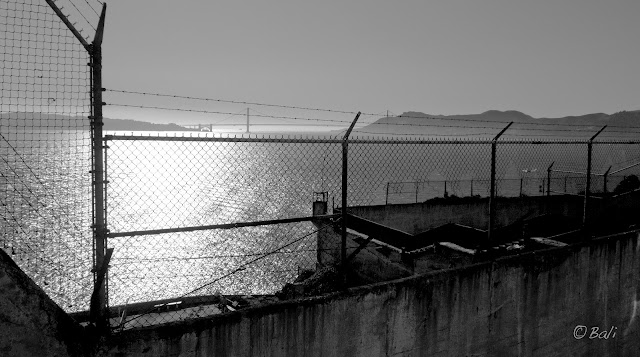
x: 94, y: 10
x: 81, y: 14
x: 432, y: 117
x: 371, y: 124
x: 223, y: 113
x: 232, y: 101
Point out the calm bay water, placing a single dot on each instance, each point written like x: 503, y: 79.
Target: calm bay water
x: 154, y: 183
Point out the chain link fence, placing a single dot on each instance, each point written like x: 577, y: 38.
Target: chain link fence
x: 192, y: 219
x: 45, y: 151
x: 196, y: 217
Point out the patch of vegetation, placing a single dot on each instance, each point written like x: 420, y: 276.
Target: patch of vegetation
x: 629, y: 183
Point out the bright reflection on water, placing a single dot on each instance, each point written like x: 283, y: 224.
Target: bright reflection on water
x: 45, y: 197
x: 155, y: 184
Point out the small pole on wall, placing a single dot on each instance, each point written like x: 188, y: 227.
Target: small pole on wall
x: 343, y: 245
x: 492, y: 189
x: 587, y: 190
x: 604, y: 183
x: 549, y: 179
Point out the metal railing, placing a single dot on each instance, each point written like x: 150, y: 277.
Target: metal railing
x: 422, y: 191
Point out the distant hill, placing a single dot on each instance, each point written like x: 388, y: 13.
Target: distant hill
x: 58, y: 121
x: 490, y: 122
x: 134, y: 125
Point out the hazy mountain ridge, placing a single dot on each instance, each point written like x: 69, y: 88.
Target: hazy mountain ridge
x: 406, y: 123
x: 59, y: 121
x: 421, y: 123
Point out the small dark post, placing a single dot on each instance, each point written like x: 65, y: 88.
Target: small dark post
x: 471, y: 187
x: 587, y: 190
x: 386, y: 197
x: 549, y: 179
x: 492, y: 203
x: 345, y: 150
x: 521, y: 179
x: 565, y: 184
x: 446, y: 194
x: 320, y: 203
x: 417, y: 188
x: 604, y: 184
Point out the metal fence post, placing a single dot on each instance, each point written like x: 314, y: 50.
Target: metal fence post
x: 521, y: 179
x: 343, y: 246
x: 604, y: 184
x: 549, y: 179
x: 99, y: 297
x: 492, y: 202
x: 471, y: 187
x: 587, y: 189
x: 98, y: 303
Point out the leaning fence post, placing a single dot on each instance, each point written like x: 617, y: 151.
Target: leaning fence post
x: 549, y: 179
x: 343, y: 246
x: 604, y: 184
x: 587, y: 190
x: 492, y: 203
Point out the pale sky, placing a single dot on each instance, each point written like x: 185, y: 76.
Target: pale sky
x: 546, y: 58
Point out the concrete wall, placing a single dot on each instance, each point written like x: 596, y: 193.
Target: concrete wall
x: 31, y: 324
x: 368, y: 265
x: 418, y: 217
x: 527, y: 305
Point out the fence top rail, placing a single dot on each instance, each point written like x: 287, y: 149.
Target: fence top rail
x: 356, y: 140
x: 610, y: 174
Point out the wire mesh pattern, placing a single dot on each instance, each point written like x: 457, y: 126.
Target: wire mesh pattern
x: 406, y: 167
x: 239, y: 261
x: 613, y: 163
x: 166, y: 265
x: 164, y: 182
x: 45, y: 151
x: 178, y: 184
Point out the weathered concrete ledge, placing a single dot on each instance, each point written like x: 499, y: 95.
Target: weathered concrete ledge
x: 31, y: 324
x: 528, y: 305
